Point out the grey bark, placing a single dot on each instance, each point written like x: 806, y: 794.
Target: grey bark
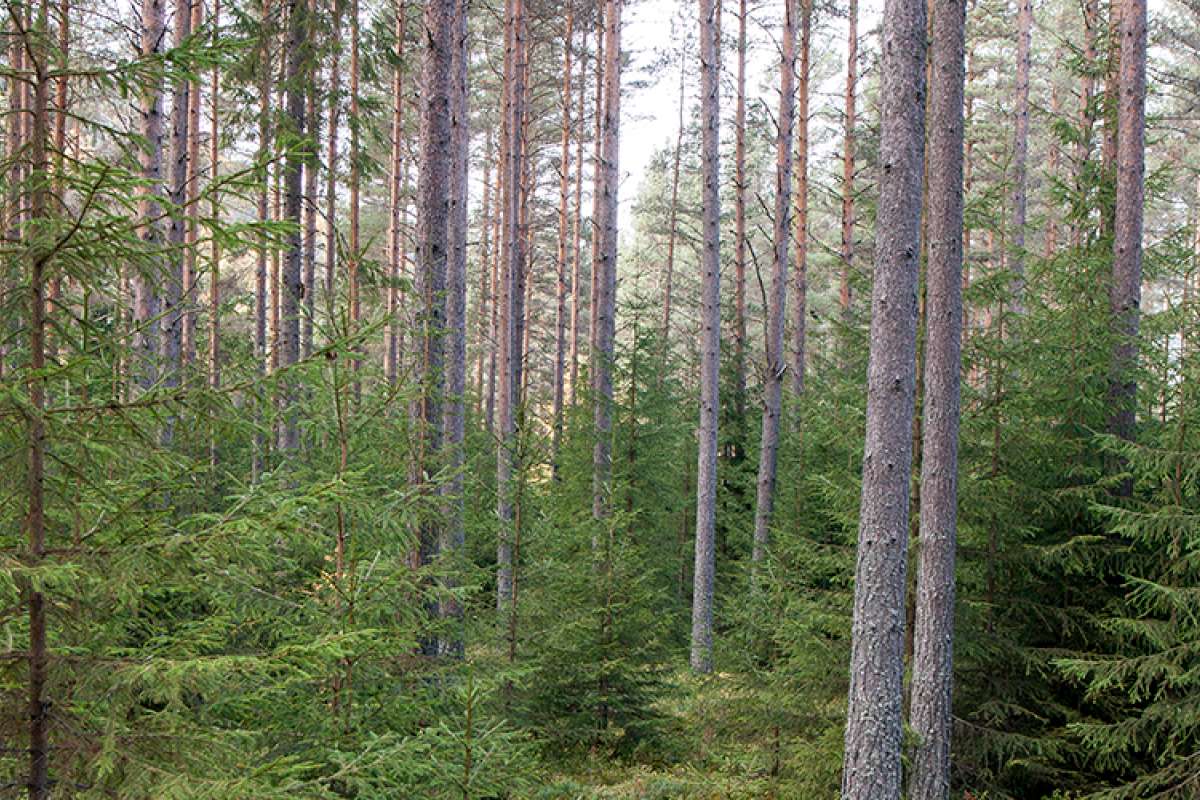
x: 1021, y: 153
x: 871, y: 768
x: 292, y: 277
x: 800, y: 277
x: 606, y: 282
x: 932, y: 665
x: 564, y: 194
x: 710, y: 342
x: 171, y: 337
x: 1126, y: 291
x: 777, y: 300
x: 848, y: 160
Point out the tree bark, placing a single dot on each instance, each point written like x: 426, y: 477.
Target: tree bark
x: 800, y: 279
x: 391, y: 338
x: 606, y: 295
x: 1126, y: 290
x: 673, y: 211
x: 710, y: 341
x: 171, y: 338
x: 192, y: 193
x: 509, y: 377
x: 312, y: 168
x: 932, y: 665
x: 145, y: 283
x: 355, y: 244
x: 848, y: 160
x: 564, y: 194
x: 777, y: 300
x: 873, y: 729
x: 1021, y: 154
x: 1087, y: 113
x: 331, y: 157
x: 214, y: 269
x: 739, y: 244
x: 577, y: 229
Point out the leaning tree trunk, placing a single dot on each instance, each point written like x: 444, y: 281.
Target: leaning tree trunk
x: 1126, y: 291
x: 873, y: 727
x: 932, y: 665
x: 710, y: 341
x: 777, y: 301
x: 606, y: 283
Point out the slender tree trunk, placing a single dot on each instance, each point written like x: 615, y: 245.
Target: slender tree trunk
x: 262, y: 254
x: 1112, y: 102
x: 509, y: 377
x: 292, y: 276
x: 1087, y: 112
x: 192, y: 194
x: 145, y: 283
x: 673, y: 211
x: 873, y: 728
x: 564, y: 195
x: 453, y: 533
x: 1050, y: 238
x: 171, y: 338
x: 739, y: 244
x: 848, y: 168
x: 35, y: 519
x: 932, y: 670
x: 800, y: 279
x: 355, y: 243
x: 331, y: 157
x: 214, y: 273
x: 496, y: 342
x: 486, y: 298
x: 606, y: 296
x: 577, y: 227
x: 777, y: 301
x: 1126, y: 291
x: 597, y: 194
x: 710, y: 341
x: 1021, y: 154
x: 391, y: 343
x: 312, y: 168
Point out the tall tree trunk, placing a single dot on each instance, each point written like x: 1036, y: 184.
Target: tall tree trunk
x: 673, y: 211
x: 1087, y: 112
x: 171, y: 338
x: 932, y: 665
x: 331, y: 157
x: 312, y: 168
x: 597, y: 194
x: 192, y: 194
x: 1112, y: 103
x: 355, y: 244
x: 564, y: 195
x: 606, y: 295
x: 486, y: 297
x: 873, y: 728
x: 214, y: 269
x: 577, y: 226
x: 800, y: 279
x: 710, y: 341
x: 453, y: 533
x: 1050, y: 238
x: 777, y: 301
x: 510, y: 308
x: 35, y: 519
x: 391, y: 343
x: 1126, y: 291
x: 848, y: 168
x: 739, y: 243
x: 1021, y: 154
x: 292, y: 276
x: 262, y: 248
x: 146, y: 280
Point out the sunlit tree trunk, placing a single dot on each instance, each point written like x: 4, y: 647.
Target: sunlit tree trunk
x: 145, y: 280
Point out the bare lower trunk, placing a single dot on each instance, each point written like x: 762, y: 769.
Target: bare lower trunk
x: 1126, y: 291
x: 739, y: 244
x: 214, y: 273
x: 777, y: 300
x: 606, y: 284
x: 564, y: 194
x: 710, y: 342
x: 146, y: 280
x: 331, y: 242
x: 848, y: 157
x: 673, y: 212
x: 188, y: 310
x: 391, y: 349
x: 577, y: 230
x: 292, y: 277
x: 1021, y: 154
x: 932, y: 664
x: 354, y: 247
x: 873, y: 728
x: 800, y: 279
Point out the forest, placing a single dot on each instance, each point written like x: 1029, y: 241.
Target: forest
x: 582, y: 399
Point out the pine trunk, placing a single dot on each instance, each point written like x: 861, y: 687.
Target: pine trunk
x: 848, y: 168
x: 932, y: 665
x: 776, y: 365
x: 739, y: 243
x: 145, y: 281
x: 564, y: 194
x: 800, y: 279
x: 873, y: 729
x: 1020, y: 178
x: 710, y: 341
